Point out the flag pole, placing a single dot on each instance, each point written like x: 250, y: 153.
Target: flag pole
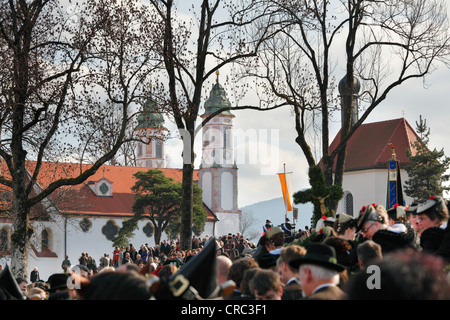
x: 285, y: 188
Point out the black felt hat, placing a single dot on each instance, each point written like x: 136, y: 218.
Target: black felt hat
x: 9, y: 289
x: 58, y: 281
x: 319, y: 254
x: 195, y: 280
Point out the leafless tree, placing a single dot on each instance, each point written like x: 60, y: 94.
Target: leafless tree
x: 193, y: 50
x: 248, y: 220
x: 319, y: 42
x: 55, y: 71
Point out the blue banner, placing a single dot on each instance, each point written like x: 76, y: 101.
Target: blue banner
x: 395, y: 192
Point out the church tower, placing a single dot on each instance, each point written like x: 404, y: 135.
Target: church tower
x: 218, y: 173
x: 150, y: 126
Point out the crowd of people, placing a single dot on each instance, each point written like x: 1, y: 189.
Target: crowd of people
x: 399, y: 254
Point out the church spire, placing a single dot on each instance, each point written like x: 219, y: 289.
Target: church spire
x: 217, y: 99
x: 150, y: 117
x: 150, y: 128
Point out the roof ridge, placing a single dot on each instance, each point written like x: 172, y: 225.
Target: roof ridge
x: 389, y: 140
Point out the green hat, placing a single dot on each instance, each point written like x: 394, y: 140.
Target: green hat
x: 273, y: 231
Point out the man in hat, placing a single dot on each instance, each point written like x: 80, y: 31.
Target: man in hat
x: 319, y: 273
x: 287, y: 228
x: 267, y: 226
x: 58, y: 287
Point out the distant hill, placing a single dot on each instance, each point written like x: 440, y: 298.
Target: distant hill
x: 275, y: 211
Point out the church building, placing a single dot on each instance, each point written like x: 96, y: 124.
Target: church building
x: 369, y: 150
x: 67, y: 225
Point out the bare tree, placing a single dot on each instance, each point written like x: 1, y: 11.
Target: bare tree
x: 193, y: 51
x: 375, y: 45
x: 122, y: 58
x: 248, y: 220
x: 47, y: 94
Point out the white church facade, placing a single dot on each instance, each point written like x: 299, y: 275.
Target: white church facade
x: 366, y: 169
x: 89, y: 222
x: 369, y: 150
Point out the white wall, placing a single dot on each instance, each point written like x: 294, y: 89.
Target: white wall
x: 368, y: 186
x: 229, y: 223
x: 93, y: 242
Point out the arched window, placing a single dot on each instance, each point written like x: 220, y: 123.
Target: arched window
x: 4, y: 244
x: 159, y: 149
x: 45, y: 240
x: 348, y: 203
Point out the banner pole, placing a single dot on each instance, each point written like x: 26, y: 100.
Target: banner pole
x: 286, y: 191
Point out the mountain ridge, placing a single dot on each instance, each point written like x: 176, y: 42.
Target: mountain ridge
x: 274, y: 210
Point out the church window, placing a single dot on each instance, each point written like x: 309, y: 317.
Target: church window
x: 110, y: 230
x: 4, y: 243
x: 148, y: 230
x: 158, y: 149
x: 45, y: 240
x: 104, y: 188
x: 348, y: 203
x: 139, y: 149
x: 85, y: 225
x: 225, y: 139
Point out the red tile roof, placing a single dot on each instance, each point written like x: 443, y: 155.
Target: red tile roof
x: 369, y: 145
x: 84, y: 201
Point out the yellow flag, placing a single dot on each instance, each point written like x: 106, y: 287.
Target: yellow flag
x: 285, y: 188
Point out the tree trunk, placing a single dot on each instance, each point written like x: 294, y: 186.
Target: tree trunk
x: 20, y: 236
x: 187, y: 210
x: 157, y: 235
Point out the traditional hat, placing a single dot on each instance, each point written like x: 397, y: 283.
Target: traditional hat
x: 248, y: 250
x: 9, y: 289
x: 396, y: 212
x: 273, y: 231
x: 58, y: 281
x: 411, y: 209
x: 343, y: 218
x: 319, y: 254
x: 434, y: 204
x: 196, y: 279
x: 368, y: 213
x: 329, y: 220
